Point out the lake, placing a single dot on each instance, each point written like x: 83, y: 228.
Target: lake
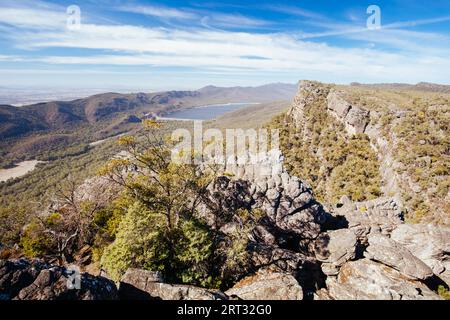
x: 19, y: 170
x: 208, y: 112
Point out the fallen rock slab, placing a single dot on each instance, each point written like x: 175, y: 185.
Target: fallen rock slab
x: 334, y: 248
x: 267, y: 286
x: 368, y: 280
x: 430, y: 243
x: 139, y: 284
x: 393, y: 254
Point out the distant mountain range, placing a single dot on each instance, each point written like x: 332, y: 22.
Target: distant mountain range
x: 265, y: 93
x: 64, y: 115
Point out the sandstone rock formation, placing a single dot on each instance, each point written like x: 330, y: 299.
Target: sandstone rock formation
x: 368, y: 280
x: 334, y: 248
x: 355, y: 118
x: 391, y: 253
x: 35, y: 280
x: 381, y: 116
x: 379, y: 215
x: 266, y: 285
x: 147, y: 285
x: 342, y: 252
x: 301, y: 251
x: 430, y: 243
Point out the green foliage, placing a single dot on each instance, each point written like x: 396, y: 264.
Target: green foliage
x: 135, y: 242
x: 357, y: 175
x: 422, y: 137
x: 34, y: 242
x: 444, y: 292
x: 12, y: 220
x: 145, y: 241
x: 235, y: 250
x: 161, y: 229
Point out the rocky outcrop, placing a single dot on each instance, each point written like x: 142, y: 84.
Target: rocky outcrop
x: 391, y: 253
x: 147, y: 285
x: 334, y: 248
x: 368, y: 280
x: 383, y: 115
x: 355, y: 251
x: 430, y: 243
x: 330, y: 251
x: 378, y: 215
x: 390, y: 260
x: 293, y: 219
x: 354, y: 118
x: 266, y: 285
x: 35, y: 280
x: 309, y: 92
x: 288, y: 201
x: 97, y: 190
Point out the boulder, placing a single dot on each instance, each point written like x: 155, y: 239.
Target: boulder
x: 368, y: 280
x: 139, y: 284
x: 353, y: 117
x: 357, y: 120
x: 166, y: 291
x: 322, y: 294
x: 334, y: 248
x: 265, y: 285
x: 393, y: 254
x: 430, y: 243
x: 337, y: 106
x: 36, y: 280
x: 134, y: 282
x: 98, y: 190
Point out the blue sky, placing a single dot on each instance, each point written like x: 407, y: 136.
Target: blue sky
x: 160, y: 45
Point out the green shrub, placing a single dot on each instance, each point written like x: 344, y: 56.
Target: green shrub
x: 145, y: 241
x: 33, y: 241
x: 444, y: 292
x: 12, y: 220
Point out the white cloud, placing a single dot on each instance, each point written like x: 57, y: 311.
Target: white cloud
x: 198, y: 17
x: 295, y: 11
x: 10, y: 58
x: 161, y: 12
x: 233, y: 20
x: 24, y: 17
x: 230, y: 51
x: 209, y: 49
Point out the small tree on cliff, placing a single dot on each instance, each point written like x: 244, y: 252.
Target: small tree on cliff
x: 60, y: 232
x: 161, y: 230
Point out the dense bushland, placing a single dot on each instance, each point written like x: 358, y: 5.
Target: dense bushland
x: 153, y: 223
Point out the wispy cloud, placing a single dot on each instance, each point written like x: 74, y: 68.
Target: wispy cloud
x: 199, y: 17
x: 233, y: 20
x: 295, y: 11
x: 200, y: 46
x: 233, y: 50
x: 160, y: 12
x: 26, y: 17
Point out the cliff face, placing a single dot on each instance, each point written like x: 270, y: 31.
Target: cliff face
x: 407, y: 133
x: 319, y: 149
